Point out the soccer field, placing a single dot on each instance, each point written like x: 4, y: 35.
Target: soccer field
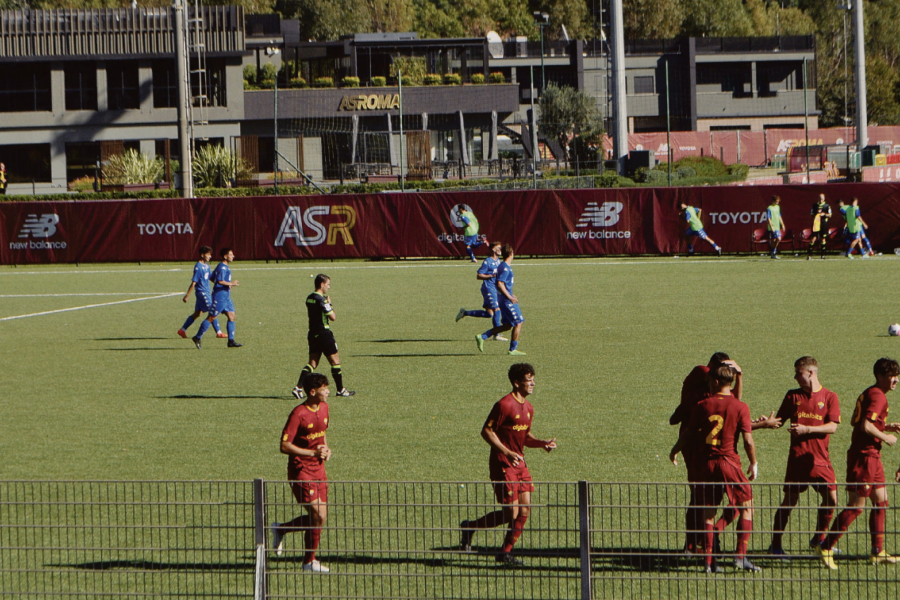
x: 110, y: 392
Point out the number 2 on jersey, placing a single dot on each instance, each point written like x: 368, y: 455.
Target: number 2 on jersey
x: 711, y: 438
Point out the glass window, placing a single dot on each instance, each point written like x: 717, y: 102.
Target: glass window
x: 26, y: 162
x: 25, y: 87
x: 122, y: 86
x: 81, y: 86
x: 165, y: 85
x: 643, y: 85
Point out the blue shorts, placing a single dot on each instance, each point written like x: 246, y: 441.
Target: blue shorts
x: 701, y: 234
x: 510, y: 313
x: 775, y: 235
x: 490, y: 298
x: 203, y: 303
x: 854, y: 236
x: 472, y: 240
x: 221, y: 304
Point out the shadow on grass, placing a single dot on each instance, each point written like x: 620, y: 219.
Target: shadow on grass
x: 138, y: 349
x: 204, y: 397
x: 152, y: 565
x: 405, y: 341
x: 124, y: 339
x: 408, y: 355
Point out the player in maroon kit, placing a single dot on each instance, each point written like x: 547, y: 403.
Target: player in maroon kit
x: 814, y: 413
x: 694, y: 389
x: 865, y: 473
x: 303, y: 440
x: 715, y: 424
x: 508, y: 432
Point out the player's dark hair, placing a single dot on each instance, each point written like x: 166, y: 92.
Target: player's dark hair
x: 805, y: 362
x: 776, y: 197
x: 506, y: 251
x: 518, y: 371
x: 722, y: 373
x: 320, y: 279
x: 495, y: 244
x: 718, y: 357
x: 224, y: 251
x: 204, y: 250
x: 886, y: 366
x: 314, y: 381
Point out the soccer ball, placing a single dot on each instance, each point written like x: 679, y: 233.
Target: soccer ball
x: 894, y: 329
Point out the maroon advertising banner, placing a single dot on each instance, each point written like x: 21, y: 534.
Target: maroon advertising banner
x: 545, y: 222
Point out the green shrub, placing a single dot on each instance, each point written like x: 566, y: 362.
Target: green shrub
x: 452, y: 79
x: 704, y: 166
x: 379, y: 81
x: 250, y: 74
x: 323, y: 82
x: 497, y: 77
x: 299, y: 82
x: 685, y: 172
x: 609, y: 179
x: 407, y: 81
x: 133, y: 167
x: 477, y: 78
x: 267, y: 84
x: 350, y: 82
x: 269, y: 71
x: 641, y: 175
x: 432, y: 79
x: 739, y: 171
x: 211, y: 162
x: 411, y: 66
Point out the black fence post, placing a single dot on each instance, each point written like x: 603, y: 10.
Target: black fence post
x: 259, y: 519
x: 584, y: 534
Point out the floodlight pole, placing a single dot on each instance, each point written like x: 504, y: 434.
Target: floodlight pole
x: 400, y: 94
x: 806, y: 116
x: 533, y: 136
x: 275, y: 175
x: 184, y: 140
x: 668, y: 128
x: 862, y: 134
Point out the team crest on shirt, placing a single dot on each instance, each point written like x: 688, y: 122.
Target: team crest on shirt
x: 326, y: 420
x: 284, y: 438
x: 309, y: 426
x: 517, y: 416
x: 821, y: 405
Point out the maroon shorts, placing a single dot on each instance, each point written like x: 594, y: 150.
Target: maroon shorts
x: 804, y: 471
x: 308, y: 486
x: 716, y: 478
x: 509, y: 482
x: 864, y: 474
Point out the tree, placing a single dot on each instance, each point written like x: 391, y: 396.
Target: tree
x: 326, y: 20
x: 716, y: 18
x: 652, y: 19
x: 881, y: 92
x: 571, y: 117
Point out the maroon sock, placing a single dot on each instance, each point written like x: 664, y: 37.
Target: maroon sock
x: 489, y: 521
x: 728, y: 516
x: 876, y: 526
x: 781, y: 518
x: 312, y: 544
x: 744, y: 528
x: 512, y: 536
x: 822, y: 522
x: 840, y: 525
x: 301, y: 522
x: 709, y: 530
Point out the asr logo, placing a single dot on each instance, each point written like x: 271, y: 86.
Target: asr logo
x: 370, y: 102
x: 305, y: 230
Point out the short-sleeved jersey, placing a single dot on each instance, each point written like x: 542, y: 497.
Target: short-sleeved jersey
x: 505, y: 274
x: 694, y: 388
x: 717, y: 421
x: 813, y: 409
x: 871, y: 406
x: 773, y: 216
x: 693, y: 218
x: 318, y: 309
x: 511, y: 421
x: 471, y: 224
x: 221, y: 273
x: 201, y: 279
x: 851, y: 214
x: 305, y: 428
x: 489, y: 267
x: 821, y: 212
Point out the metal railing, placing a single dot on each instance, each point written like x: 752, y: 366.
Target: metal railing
x: 401, y: 540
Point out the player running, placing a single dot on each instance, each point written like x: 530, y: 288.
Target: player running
x: 718, y: 421
x: 200, y: 285
x: 814, y: 413
x: 303, y: 440
x: 510, y: 315
x: 222, y: 303
x: 320, y: 338
x: 471, y: 231
x: 487, y: 274
x: 775, y: 225
x: 507, y: 431
x: 853, y: 231
x: 864, y: 228
x: 695, y: 228
x: 821, y: 214
x: 865, y: 473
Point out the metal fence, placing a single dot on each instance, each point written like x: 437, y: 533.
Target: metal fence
x: 401, y: 540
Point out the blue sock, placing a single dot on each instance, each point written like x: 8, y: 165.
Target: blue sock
x: 487, y: 334
x: 187, y: 323
x: 215, y: 325
x: 478, y: 313
x: 868, y: 244
x: 513, y: 345
x: 690, y: 247
x: 471, y: 252
x: 203, y: 327
x: 498, y: 319
x: 230, y: 326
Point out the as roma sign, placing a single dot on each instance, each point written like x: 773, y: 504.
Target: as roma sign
x: 371, y: 102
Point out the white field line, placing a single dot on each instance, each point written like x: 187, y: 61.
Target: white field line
x: 86, y: 294
x: 62, y: 310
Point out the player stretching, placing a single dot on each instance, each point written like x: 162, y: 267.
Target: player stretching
x: 320, y: 338
x: 695, y: 228
x: 865, y: 473
x: 200, y: 285
x: 303, y: 440
x: 221, y: 299
x: 821, y: 213
x: 717, y: 421
x: 487, y: 274
x: 508, y: 432
x: 814, y: 413
x: 864, y: 227
x: 775, y: 225
x: 510, y: 315
x: 853, y: 231
x: 470, y: 232
x: 694, y: 389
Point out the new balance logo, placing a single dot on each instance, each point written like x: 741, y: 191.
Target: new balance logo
x: 605, y: 215
x: 42, y: 227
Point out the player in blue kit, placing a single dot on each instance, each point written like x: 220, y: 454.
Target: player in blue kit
x: 470, y: 232
x: 221, y: 303
x: 200, y: 286
x: 510, y: 315
x: 487, y: 274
